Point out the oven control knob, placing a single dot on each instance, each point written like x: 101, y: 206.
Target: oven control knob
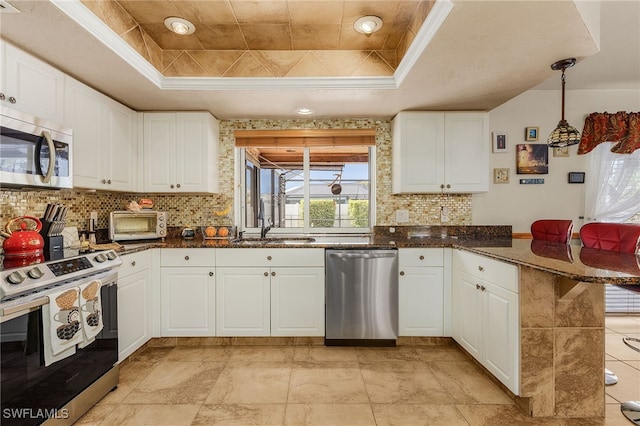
x: 100, y: 258
x: 35, y: 273
x: 15, y: 277
x: 111, y: 255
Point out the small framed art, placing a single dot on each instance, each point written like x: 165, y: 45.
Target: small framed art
x: 531, y: 134
x: 500, y: 175
x: 561, y: 152
x: 500, y: 142
x: 576, y: 177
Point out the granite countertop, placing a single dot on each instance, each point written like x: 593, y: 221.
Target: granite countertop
x: 570, y: 261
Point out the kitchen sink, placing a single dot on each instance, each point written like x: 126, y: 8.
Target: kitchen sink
x: 267, y: 241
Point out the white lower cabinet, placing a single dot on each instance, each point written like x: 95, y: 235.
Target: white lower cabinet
x: 297, y: 301
x: 187, y: 295
x: 486, y: 314
x: 281, y: 294
x: 134, y: 303
x: 243, y: 307
x: 421, y: 292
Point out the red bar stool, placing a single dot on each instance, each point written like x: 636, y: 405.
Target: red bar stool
x: 554, y: 230
x: 621, y: 237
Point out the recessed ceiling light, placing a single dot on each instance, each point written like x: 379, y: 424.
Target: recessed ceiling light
x: 179, y: 25
x: 368, y: 24
x: 304, y: 111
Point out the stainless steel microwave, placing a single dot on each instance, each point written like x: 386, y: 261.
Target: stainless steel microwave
x: 34, y: 152
x: 143, y: 225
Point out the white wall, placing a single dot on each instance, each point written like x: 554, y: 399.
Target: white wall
x: 519, y: 205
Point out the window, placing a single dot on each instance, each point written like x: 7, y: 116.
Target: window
x: 612, y: 185
x: 320, y: 188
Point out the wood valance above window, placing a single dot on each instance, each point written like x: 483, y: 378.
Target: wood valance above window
x: 305, y: 137
x: 622, y: 128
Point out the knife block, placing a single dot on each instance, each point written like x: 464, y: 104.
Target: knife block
x: 53, y: 244
x: 53, y: 247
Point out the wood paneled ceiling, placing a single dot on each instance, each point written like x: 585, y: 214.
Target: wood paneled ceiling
x: 267, y: 38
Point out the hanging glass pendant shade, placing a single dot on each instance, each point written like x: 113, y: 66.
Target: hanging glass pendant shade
x: 564, y: 134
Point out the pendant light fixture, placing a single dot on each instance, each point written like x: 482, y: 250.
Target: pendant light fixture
x: 564, y: 134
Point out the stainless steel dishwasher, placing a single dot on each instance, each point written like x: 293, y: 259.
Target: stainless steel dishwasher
x: 361, y: 296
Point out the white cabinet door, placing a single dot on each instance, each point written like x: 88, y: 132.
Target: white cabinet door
x: 297, y: 301
x: 418, y: 152
x: 104, y: 139
x: 121, y: 146
x: 436, y: 152
x: 134, y: 311
x: 187, y: 301
x: 83, y: 112
x: 196, y: 161
x: 467, y: 152
x: 243, y: 302
x: 421, y: 299
x: 159, y: 148
x: 31, y: 86
x: 500, y: 335
x: 467, y: 313
x: 134, y: 302
x: 180, y: 152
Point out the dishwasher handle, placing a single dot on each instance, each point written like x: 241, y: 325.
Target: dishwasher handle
x: 344, y: 255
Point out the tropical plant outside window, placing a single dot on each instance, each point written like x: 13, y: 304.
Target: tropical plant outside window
x: 308, y: 189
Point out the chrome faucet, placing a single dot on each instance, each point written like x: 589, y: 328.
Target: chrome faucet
x: 263, y: 229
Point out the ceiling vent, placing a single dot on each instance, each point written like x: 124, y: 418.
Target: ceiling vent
x: 7, y: 8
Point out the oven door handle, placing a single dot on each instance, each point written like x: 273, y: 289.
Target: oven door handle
x: 46, y: 177
x: 35, y: 303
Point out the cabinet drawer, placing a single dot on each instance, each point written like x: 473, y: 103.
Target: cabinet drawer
x: 187, y: 257
x: 502, y: 274
x: 134, y: 262
x: 270, y: 257
x: 421, y: 257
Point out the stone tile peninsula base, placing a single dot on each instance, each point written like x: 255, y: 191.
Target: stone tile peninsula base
x: 562, y: 346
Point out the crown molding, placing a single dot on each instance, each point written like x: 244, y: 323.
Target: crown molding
x: 101, y: 31
x: 427, y: 31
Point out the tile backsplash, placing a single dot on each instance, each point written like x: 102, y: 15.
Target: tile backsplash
x: 197, y: 209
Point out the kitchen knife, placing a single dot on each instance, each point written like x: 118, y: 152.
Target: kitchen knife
x: 47, y: 210
x: 52, y: 214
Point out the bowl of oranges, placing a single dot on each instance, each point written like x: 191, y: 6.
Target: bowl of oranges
x: 212, y: 232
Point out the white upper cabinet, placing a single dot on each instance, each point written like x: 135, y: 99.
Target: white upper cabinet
x: 436, y: 152
x: 30, y: 85
x: 180, y: 152
x: 105, y: 148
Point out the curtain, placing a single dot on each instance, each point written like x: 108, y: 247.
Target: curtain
x: 622, y: 128
x: 612, y: 185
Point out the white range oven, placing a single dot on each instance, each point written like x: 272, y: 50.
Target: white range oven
x: 33, y: 388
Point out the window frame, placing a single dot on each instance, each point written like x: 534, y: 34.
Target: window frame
x: 240, y: 191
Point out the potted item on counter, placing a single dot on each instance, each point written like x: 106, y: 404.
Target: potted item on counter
x: 188, y: 233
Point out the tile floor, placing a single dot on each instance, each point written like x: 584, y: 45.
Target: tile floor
x: 298, y: 385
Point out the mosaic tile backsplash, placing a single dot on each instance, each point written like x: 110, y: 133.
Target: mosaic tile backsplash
x: 197, y: 209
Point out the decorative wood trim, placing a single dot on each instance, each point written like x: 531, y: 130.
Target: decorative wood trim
x: 305, y: 137
x: 521, y: 236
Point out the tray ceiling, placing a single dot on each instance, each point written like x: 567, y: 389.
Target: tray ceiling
x: 284, y: 38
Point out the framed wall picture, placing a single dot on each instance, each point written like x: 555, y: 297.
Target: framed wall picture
x: 500, y: 175
x: 532, y: 159
x: 576, y: 177
x: 500, y: 142
x: 561, y: 152
x: 531, y: 134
